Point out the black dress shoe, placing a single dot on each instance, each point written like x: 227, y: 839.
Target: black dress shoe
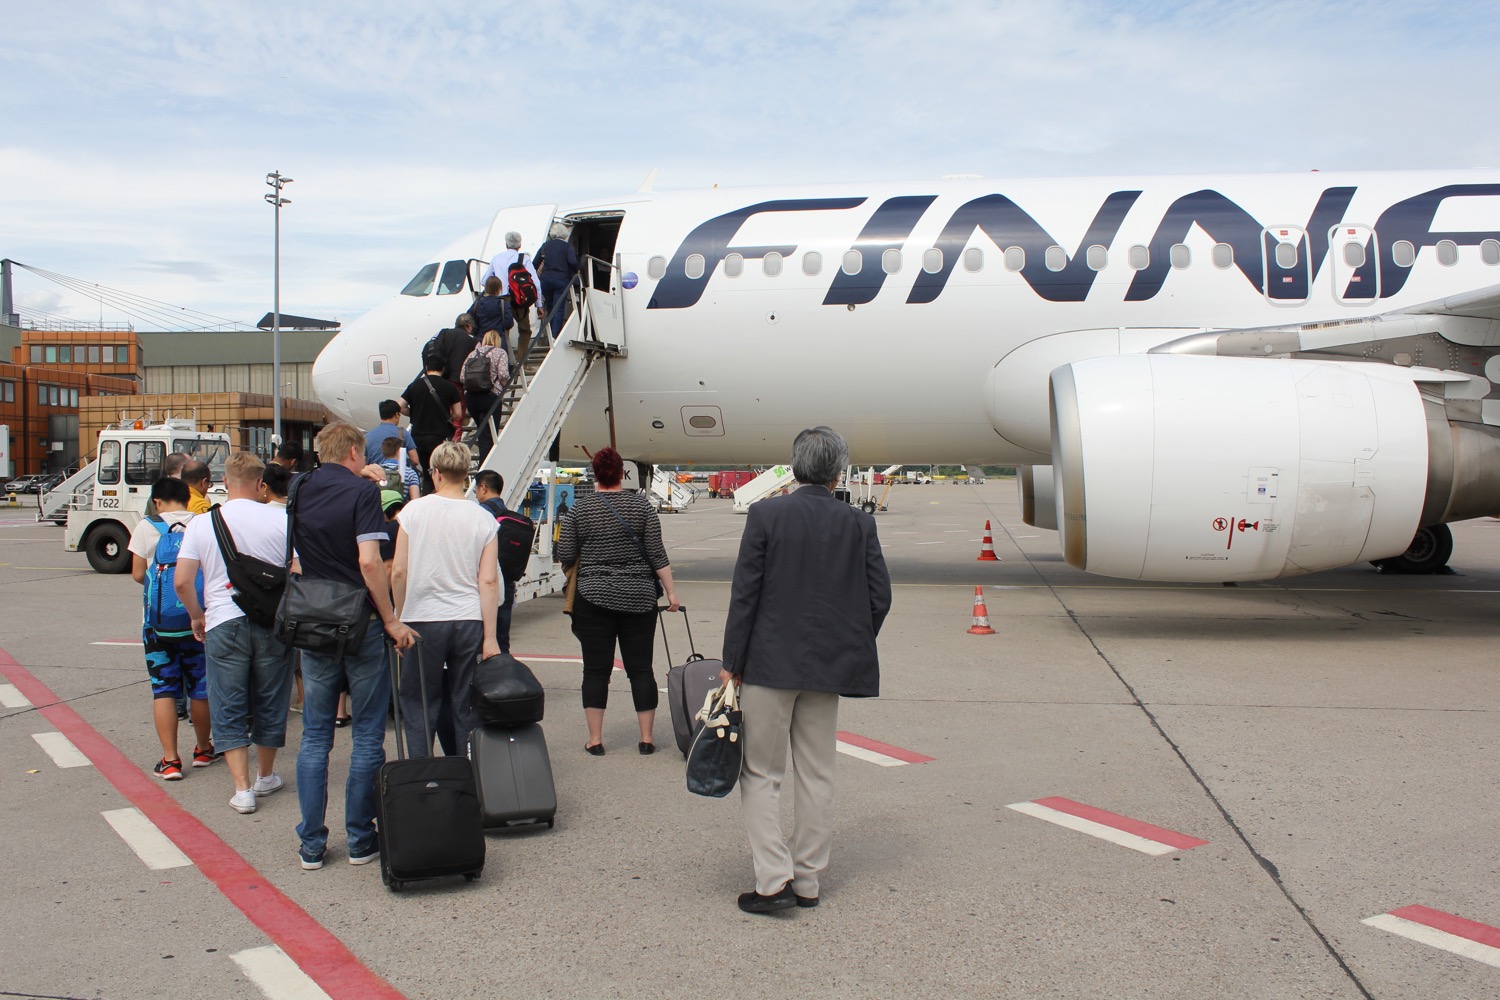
x: 596, y: 750
x: 754, y: 902
x: 647, y: 749
x: 807, y: 902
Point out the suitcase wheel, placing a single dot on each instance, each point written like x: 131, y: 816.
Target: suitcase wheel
x: 471, y: 876
x: 550, y: 824
x: 396, y: 885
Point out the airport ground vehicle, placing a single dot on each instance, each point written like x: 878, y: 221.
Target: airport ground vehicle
x: 102, y: 502
x: 723, y: 484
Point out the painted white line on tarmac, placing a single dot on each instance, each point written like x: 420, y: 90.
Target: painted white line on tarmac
x: 61, y: 750
x: 1468, y: 938
x: 869, y: 755
x: 278, y: 977
x: 11, y: 697
x: 142, y: 836
x: 118, y: 642
x: 1112, y: 827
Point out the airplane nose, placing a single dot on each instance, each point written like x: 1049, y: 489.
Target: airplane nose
x: 328, y: 379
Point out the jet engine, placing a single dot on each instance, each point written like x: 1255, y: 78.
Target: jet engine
x: 1175, y: 467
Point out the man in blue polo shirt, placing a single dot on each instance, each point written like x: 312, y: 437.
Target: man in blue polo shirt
x: 337, y: 530
x: 389, y: 427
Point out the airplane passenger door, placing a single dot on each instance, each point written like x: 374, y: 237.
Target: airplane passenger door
x: 531, y: 221
x: 1352, y: 253
x: 1287, y: 265
x: 606, y: 307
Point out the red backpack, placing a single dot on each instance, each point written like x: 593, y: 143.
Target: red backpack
x: 522, y: 288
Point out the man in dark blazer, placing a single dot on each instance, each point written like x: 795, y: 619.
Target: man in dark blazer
x: 810, y: 593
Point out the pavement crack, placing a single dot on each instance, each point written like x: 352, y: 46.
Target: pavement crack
x: 1260, y: 859
x: 22, y: 713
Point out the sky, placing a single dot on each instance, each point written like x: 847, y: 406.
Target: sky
x: 137, y: 136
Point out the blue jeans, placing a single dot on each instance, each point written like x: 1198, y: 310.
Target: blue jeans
x: 249, y: 685
x: 456, y: 645
x: 369, y: 683
x: 552, y: 293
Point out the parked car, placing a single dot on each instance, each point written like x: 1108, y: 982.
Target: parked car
x: 25, y: 484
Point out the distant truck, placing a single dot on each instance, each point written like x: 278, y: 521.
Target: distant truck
x: 107, y: 498
x: 723, y: 484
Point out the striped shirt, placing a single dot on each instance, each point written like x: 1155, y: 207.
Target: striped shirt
x: 611, y: 572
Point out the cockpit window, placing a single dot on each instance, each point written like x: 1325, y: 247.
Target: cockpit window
x: 452, y: 281
x: 422, y: 283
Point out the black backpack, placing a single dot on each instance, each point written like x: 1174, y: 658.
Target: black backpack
x: 522, y: 288
x: 476, y: 376
x: 433, y: 355
x: 515, y: 533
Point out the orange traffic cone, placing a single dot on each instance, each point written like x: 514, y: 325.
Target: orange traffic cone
x: 987, y: 549
x: 981, y: 624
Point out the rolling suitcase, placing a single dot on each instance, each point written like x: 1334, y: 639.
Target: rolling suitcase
x: 515, y: 776
x: 688, y: 684
x: 427, y: 810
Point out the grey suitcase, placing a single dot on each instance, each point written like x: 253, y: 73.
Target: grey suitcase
x: 515, y: 776
x: 688, y: 684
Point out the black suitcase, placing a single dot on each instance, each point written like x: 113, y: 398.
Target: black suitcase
x: 515, y: 776
x: 506, y: 693
x: 688, y: 685
x: 427, y: 810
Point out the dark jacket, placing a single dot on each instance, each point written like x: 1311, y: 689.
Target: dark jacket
x: 454, y: 345
x: 489, y: 314
x: 556, y: 262
x: 810, y: 594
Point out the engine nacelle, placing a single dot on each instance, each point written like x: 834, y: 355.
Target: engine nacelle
x: 1038, y: 506
x: 1173, y: 467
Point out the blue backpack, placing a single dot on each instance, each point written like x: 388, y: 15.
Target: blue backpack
x: 165, y: 613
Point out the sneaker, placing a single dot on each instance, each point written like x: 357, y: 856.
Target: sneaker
x: 243, y: 802
x: 169, y: 770
x: 309, y: 863
x: 203, y: 758
x: 270, y: 783
x: 365, y: 859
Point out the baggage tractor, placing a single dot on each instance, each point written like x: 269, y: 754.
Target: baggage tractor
x: 427, y: 809
x: 515, y: 776
x: 688, y: 685
x: 506, y: 693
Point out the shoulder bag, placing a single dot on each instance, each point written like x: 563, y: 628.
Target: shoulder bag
x: 714, y: 758
x: 640, y: 545
x: 259, y: 584
x: 326, y: 617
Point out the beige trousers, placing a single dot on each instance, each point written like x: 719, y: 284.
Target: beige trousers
x: 807, y: 722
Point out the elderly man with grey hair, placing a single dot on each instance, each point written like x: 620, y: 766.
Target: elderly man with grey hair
x: 809, y: 596
x: 500, y: 268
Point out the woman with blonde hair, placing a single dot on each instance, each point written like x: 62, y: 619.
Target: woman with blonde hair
x: 446, y: 578
x: 491, y: 348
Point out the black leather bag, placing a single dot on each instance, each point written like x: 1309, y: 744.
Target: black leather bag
x: 506, y: 693
x: 316, y: 615
x: 713, y: 763
x: 259, y: 585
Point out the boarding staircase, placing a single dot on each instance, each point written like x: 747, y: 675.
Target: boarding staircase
x: 667, y: 493
x: 777, y: 477
x: 74, y: 493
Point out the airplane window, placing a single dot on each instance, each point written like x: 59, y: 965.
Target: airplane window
x: 422, y: 283
x: 452, y: 281
x: 770, y: 264
x: 1057, y: 258
x: 1015, y: 258
x: 1354, y: 254
x: 1447, y: 253
x: 973, y: 259
x: 1098, y: 258
x: 1286, y: 255
x: 1139, y: 258
x: 932, y: 260
x: 694, y: 265
x: 853, y: 261
x: 656, y: 267
x: 812, y: 263
x: 377, y: 367
x: 1403, y: 253
x: 1181, y: 256
x: 734, y: 265
x: 1223, y: 256
x: 1489, y: 252
x: 890, y: 262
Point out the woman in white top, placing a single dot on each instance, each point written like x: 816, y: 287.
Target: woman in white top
x: 446, y: 578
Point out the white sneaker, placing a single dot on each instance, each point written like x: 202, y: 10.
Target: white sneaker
x: 268, y: 784
x: 243, y: 802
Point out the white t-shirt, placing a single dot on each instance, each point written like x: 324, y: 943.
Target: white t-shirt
x: 144, y: 536
x: 445, y: 542
x: 258, y: 530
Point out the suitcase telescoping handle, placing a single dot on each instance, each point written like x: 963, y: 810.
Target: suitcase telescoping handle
x: 396, y: 697
x: 695, y: 655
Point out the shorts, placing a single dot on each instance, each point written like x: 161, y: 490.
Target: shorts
x: 177, y: 667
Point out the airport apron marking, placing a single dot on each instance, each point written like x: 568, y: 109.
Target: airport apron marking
x: 146, y: 839
x: 61, y: 750
x: 1113, y: 827
x: 277, y: 975
x: 877, y: 752
x: 1468, y: 938
x: 11, y: 697
x: 619, y: 665
x: 312, y: 946
x: 118, y: 642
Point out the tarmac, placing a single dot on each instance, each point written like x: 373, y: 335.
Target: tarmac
x: 1302, y: 756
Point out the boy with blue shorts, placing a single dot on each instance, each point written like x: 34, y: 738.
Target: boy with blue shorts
x: 174, y: 662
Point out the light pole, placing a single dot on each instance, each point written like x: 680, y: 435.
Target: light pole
x: 276, y: 182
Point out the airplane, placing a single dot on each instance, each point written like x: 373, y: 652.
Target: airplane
x: 1199, y: 378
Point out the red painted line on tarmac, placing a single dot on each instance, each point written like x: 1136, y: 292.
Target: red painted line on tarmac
x: 1457, y: 926
x: 1159, y: 834
x: 864, y: 743
x: 308, y: 943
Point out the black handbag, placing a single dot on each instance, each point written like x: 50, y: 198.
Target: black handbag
x: 316, y: 615
x: 258, y: 585
x: 718, y: 749
x: 506, y: 693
